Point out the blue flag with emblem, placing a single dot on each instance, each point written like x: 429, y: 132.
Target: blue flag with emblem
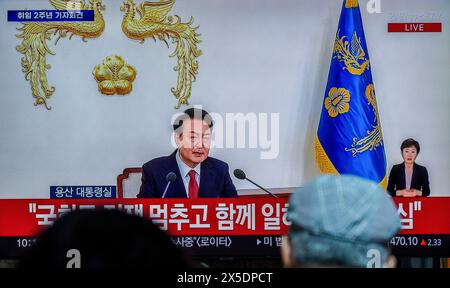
x: 349, y: 138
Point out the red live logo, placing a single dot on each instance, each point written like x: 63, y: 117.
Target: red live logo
x: 414, y: 27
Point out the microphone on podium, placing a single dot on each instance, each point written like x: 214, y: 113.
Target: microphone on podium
x: 170, y: 177
x: 238, y: 173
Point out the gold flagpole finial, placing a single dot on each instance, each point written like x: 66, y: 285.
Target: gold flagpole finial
x: 351, y: 3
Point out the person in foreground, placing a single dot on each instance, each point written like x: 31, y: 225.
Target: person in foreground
x: 197, y: 174
x: 340, y: 221
x: 104, y: 239
x: 409, y: 179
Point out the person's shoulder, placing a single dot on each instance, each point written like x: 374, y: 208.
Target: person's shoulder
x: 420, y: 167
x: 157, y: 162
x: 397, y: 166
x: 214, y: 162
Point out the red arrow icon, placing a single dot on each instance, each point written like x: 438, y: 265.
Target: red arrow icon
x: 423, y: 243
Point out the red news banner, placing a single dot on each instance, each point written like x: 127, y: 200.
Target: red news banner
x: 240, y: 216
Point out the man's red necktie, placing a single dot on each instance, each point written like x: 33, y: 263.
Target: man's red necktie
x: 193, y: 186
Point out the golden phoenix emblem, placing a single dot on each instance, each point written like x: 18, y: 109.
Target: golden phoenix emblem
x: 35, y: 36
x: 351, y: 54
x: 154, y: 23
x: 374, y: 137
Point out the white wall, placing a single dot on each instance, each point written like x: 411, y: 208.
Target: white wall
x: 258, y: 56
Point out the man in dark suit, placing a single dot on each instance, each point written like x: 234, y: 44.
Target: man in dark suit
x: 197, y: 174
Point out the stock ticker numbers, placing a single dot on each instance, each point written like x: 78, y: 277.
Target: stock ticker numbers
x: 420, y: 245
x: 416, y: 241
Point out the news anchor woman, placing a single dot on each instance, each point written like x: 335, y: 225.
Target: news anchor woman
x: 409, y: 179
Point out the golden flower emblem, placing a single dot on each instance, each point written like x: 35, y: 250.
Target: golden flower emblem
x: 114, y: 76
x: 337, y: 101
